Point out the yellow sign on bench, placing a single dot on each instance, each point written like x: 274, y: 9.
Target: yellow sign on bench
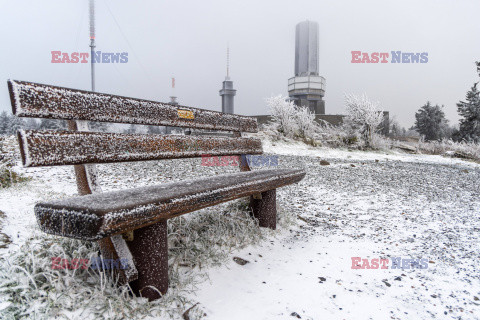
x: 185, y: 114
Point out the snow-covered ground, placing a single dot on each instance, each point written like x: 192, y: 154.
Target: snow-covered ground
x: 420, y: 207
x: 363, y: 204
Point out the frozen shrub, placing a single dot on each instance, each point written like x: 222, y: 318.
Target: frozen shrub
x: 469, y: 150
x: 363, y: 116
x: 333, y: 136
x: 284, y: 115
x: 8, y: 177
x: 361, y: 124
x: 8, y: 158
x: 291, y: 121
x: 307, y: 126
x: 380, y: 142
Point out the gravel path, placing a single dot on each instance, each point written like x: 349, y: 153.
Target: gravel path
x: 397, y: 206
x: 385, y: 209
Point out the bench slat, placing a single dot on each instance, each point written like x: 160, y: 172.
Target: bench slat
x: 50, y: 148
x: 44, y: 101
x: 97, y: 216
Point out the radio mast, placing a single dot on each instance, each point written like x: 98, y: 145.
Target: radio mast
x: 92, y: 41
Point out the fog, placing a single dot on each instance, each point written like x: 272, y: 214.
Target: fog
x: 188, y: 40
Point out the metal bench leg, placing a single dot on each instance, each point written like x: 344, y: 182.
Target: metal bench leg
x: 149, y: 249
x: 265, y: 209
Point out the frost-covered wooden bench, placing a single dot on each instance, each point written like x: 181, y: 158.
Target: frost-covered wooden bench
x: 132, y: 224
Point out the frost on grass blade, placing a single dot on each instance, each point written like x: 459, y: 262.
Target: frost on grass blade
x: 111, y: 213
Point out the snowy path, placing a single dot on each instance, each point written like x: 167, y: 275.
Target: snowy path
x: 419, y: 207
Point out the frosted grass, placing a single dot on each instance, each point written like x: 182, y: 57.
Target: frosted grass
x: 31, y: 289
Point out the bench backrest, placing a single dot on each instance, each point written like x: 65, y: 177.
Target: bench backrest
x: 48, y: 148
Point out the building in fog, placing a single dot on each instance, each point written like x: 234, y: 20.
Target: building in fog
x: 227, y: 92
x: 307, y: 87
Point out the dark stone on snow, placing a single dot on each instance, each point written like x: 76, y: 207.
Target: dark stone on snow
x: 240, y: 261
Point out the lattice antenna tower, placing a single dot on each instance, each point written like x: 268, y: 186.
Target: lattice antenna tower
x: 92, y: 41
x: 228, y: 61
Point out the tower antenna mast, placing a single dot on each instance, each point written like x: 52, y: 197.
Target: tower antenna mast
x: 227, y: 92
x: 92, y: 41
x: 228, y: 60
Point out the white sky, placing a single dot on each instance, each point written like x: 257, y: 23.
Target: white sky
x: 188, y: 39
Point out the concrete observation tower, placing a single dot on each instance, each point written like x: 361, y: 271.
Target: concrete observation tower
x: 307, y: 88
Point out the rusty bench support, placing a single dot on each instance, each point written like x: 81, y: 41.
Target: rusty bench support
x: 264, y: 208
x: 149, y: 249
x: 264, y: 204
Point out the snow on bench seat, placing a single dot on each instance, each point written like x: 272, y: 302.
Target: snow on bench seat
x: 96, y: 216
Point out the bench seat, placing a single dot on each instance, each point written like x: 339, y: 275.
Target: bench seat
x: 101, y: 215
